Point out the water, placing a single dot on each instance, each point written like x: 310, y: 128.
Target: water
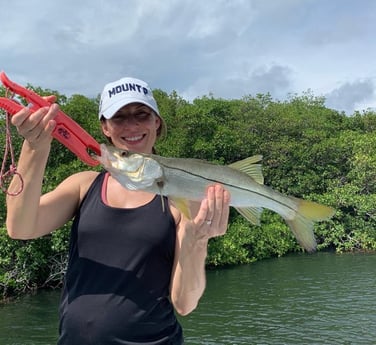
x: 31, y: 320
x: 310, y: 299
x: 299, y: 299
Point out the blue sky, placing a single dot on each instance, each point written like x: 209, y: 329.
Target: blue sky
x: 228, y: 48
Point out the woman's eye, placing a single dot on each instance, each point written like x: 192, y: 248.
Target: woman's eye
x: 117, y: 119
x: 142, y: 116
x: 139, y: 116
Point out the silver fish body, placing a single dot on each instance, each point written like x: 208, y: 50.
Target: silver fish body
x: 183, y: 179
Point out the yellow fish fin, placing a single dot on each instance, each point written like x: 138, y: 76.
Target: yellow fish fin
x: 249, y: 166
x: 302, y: 225
x: 314, y: 211
x: 182, y: 205
x: 252, y: 214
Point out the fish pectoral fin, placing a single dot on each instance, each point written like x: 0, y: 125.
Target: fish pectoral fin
x: 249, y: 166
x: 182, y: 205
x: 252, y: 214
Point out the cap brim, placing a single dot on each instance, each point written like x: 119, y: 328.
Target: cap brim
x: 111, y: 111
x: 114, y: 108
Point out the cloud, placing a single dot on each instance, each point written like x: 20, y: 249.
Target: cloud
x: 274, y: 79
x: 228, y: 48
x: 351, y: 94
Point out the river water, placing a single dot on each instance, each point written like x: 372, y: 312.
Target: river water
x: 322, y: 298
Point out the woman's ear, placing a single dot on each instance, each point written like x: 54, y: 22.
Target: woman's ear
x: 105, y: 128
x: 105, y: 131
x: 158, y: 122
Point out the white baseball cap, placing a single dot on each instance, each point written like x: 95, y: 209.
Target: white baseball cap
x: 124, y: 91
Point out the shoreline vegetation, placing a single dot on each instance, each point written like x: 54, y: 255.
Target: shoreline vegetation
x: 309, y: 151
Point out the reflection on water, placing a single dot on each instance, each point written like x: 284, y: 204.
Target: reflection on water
x: 299, y: 299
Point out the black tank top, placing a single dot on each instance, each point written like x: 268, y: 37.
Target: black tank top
x: 116, y: 289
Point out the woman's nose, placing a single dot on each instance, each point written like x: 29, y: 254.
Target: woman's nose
x: 130, y: 120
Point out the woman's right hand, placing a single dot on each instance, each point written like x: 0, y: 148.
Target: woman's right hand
x: 38, y: 126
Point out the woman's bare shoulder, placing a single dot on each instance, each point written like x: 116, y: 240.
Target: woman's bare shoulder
x: 85, y: 175
x: 80, y: 181
x: 82, y: 177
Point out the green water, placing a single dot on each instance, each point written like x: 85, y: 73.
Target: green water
x: 300, y: 299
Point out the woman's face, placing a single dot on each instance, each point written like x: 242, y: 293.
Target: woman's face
x: 134, y: 128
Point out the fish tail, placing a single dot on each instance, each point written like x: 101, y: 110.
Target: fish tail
x: 301, y: 225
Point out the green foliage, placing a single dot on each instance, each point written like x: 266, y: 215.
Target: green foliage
x: 272, y: 238
x: 24, y: 265
x: 232, y: 248
x: 244, y: 243
x: 354, y: 225
x: 308, y: 151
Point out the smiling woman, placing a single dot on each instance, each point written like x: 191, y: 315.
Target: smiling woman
x: 133, y: 263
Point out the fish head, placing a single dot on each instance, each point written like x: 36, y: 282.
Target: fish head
x: 135, y: 171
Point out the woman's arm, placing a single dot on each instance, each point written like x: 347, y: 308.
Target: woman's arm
x: 189, y: 278
x: 29, y: 214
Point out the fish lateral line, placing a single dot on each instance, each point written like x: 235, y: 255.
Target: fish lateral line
x: 226, y: 184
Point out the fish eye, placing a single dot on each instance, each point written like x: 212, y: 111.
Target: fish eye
x: 124, y: 153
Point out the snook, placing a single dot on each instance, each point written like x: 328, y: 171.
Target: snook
x: 184, y: 180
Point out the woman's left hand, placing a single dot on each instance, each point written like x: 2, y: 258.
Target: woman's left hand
x: 211, y: 220
x: 212, y: 217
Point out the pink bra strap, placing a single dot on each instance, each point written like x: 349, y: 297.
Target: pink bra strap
x: 104, y: 188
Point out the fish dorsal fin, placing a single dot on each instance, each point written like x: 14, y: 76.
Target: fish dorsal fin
x: 252, y: 214
x: 182, y: 205
x: 249, y: 166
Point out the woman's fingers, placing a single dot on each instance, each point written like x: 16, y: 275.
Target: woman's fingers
x: 36, y: 126
x: 212, y: 216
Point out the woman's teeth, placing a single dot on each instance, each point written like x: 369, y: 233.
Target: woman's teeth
x: 133, y: 138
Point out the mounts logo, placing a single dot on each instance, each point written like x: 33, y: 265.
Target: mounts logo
x: 127, y: 87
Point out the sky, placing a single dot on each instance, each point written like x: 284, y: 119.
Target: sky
x: 228, y: 49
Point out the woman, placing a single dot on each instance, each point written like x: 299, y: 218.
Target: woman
x: 130, y: 263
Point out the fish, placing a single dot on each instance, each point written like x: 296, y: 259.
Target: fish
x: 184, y: 180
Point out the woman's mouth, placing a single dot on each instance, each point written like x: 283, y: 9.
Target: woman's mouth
x: 134, y: 139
